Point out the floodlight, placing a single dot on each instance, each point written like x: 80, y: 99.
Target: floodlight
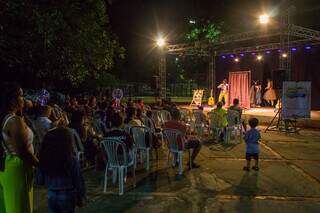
x: 264, y: 19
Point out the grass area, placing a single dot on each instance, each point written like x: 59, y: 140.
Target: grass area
x: 153, y: 99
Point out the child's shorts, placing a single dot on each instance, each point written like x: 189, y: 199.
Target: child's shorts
x: 252, y: 155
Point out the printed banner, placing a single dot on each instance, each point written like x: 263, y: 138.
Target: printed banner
x: 296, y: 99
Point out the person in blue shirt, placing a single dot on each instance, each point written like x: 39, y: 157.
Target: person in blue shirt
x: 60, y: 172
x: 252, y: 138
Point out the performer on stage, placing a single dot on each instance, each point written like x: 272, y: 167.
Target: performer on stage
x: 270, y: 94
x: 258, y: 93
x: 253, y: 94
x: 224, y: 91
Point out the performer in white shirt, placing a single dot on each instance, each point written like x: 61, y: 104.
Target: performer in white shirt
x: 224, y: 90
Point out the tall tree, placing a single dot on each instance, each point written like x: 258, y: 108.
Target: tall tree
x: 57, y: 40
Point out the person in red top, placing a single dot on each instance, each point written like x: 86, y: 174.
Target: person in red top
x: 193, y: 143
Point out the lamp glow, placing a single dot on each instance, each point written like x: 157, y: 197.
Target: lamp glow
x: 259, y: 57
x: 236, y: 60
x: 264, y: 19
x: 284, y: 55
x: 161, y: 42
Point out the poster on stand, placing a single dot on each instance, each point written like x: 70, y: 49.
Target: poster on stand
x: 296, y: 99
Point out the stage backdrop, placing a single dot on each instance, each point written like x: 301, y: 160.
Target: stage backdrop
x: 239, y: 87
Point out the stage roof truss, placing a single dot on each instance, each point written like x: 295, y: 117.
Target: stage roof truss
x: 204, y: 48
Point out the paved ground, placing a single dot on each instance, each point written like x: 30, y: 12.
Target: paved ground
x: 289, y: 181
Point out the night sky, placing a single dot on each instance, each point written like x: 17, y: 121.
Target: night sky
x: 137, y: 23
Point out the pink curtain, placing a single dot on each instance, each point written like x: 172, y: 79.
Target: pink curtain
x: 239, y: 87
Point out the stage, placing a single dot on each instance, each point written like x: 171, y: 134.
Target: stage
x: 266, y: 114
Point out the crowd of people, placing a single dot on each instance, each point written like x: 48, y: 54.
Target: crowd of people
x: 37, y: 144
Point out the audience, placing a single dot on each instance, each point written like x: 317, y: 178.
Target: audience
x: 186, y: 142
x: 131, y: 118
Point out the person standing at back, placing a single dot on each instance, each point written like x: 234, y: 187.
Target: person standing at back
x: 17, y: 159
x: 60, y: 172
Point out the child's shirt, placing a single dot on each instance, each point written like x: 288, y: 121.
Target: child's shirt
x: 252, y: 138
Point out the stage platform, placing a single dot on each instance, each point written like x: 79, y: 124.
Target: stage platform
x: 266, y: 114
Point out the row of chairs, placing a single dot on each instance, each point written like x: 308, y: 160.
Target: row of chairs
x: 119, y: 161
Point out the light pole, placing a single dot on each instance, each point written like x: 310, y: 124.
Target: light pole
x: 161, y: 43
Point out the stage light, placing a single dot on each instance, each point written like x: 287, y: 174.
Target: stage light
x: 223, y: 57
x: 259, y: 57
x: 231, y: 56
x: 284, y: 55
x: 236, y: 60
x: 268, y: 52
x: 253, y: 53
x: 279, y: 51
x: 242, y: 54
x: 264, y: 19
x: 161, y: 42
x: 293, y: 49
x: 192, y: 21
x: 307, y: 47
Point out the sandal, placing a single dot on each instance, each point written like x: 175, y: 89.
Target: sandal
x: 245, y: 168
x: 255, y: 168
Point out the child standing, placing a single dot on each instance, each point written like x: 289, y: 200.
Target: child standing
x: 252, y: 138
x: 60, y: 172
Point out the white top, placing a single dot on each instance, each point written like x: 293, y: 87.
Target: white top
x: 8, y: 146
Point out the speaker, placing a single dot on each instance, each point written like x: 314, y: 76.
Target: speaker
x: 279, y: 76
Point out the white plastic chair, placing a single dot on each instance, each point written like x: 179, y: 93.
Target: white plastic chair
x: 77, y: 145
x: 172, y: 136
x: 148, y: 122
x: 165, y: 116
x: 234, y: 125
x: 156, y: 116
x: 215, y: 124
x: 200, y: 122
x: 139, y: 134
x: 99, y: 127
x: 118, y: 162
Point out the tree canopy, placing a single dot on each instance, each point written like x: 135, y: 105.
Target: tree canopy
x: 57, y: 40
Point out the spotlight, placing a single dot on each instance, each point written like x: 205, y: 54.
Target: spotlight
x: 223, y: 56
x: 161, y: 42
x: 307, y: 47
x: 268, y: 52
x: 284, y: 55
x: 236, y: 60
x: 259, y: 57
x: 293, y: 49
x: 264, y: 19
x: 231, y: 56
x: 242, y: 54
x: 253, y: 53
x: 192, y: 21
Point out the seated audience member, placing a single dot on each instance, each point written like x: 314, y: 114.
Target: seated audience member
x: 118, y: 133
x: 203, y: 116
x: 139, y: 116
x: 131, y: 119
x: 221, y: 111
x: 109, y: 113
x: 140, y: 104
x: 90, y: 147
x: 236, y: 107
x: 194, y: 144
x: 129, y: 102
x: 60, y: 172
